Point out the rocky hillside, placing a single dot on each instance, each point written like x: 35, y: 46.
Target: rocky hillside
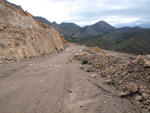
x: 43, y: 20
x: 38, y: 18
x: 129, y: 74
x: 23, y: 37
x: 16, y: 6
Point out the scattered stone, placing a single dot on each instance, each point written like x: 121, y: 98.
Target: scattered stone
x: 92, y: 76
x: 76, y: 54
x: 148, y: 78
x: 108, y: 81
x: 123, y: 94
x: 145, y: 96
x: 147, y: 61
x: 30, y: 64
x: 127, y: 74
x: 69, y: 60
x: 121, y: 81
x: 147, y: 91
x: 138, y: 98
x: 81, y: 106
x: 67, y: 49
x: 89, y: 68
x: 70, y: 91
x: 82, y: 67
x: 96, y: 49
x: 103, y: 75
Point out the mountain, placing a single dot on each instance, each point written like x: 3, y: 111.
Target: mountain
x: 126, y: 39
x: 22, y: 37
x: 43, y: 20
x: 68, y: 29
x: 98, y: 28
x: 75, y: 31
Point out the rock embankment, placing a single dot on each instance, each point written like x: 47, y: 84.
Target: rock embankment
x: 23, y: 37
x: 129, y: 75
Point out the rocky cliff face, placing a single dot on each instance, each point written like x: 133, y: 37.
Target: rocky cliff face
x: 23, y: 37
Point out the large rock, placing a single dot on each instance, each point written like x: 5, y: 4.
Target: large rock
x: 145, y: 96
x: 146, y: 61
x: 138, y: 98
x: 23, y: 37
x: 123, y: 94
x: 132, y: 88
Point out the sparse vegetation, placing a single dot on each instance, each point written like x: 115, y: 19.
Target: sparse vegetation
x: 134, y: 41
x: 84, y: 62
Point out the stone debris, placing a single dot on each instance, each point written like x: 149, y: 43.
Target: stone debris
x: 92, y: 76
x: 123, y: 94
x: 130, y: 75
x: 82, y: 67
x: 89, y: 68
x: 138, y: 98
x: 109, y: 81
x: 145, y: 96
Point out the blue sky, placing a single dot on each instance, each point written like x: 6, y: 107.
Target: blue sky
x: 118, y: 13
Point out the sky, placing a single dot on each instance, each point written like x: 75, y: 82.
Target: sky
x: 119, y: 13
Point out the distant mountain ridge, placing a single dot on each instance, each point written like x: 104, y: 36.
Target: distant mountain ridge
x: 126, y: 39
x: 73, y: 30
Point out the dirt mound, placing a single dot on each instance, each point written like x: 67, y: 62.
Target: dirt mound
x: 22, y: 37
x: 129, y: 75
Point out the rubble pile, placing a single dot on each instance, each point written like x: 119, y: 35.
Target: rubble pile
x: 130, y: 76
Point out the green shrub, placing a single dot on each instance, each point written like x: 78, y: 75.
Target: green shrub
x: 84, y: 62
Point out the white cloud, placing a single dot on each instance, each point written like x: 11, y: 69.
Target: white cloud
x: 86, y: 12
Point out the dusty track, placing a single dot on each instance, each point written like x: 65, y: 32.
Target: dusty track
x: 53, y: 85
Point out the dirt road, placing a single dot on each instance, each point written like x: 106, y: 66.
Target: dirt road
x: 52, y: 84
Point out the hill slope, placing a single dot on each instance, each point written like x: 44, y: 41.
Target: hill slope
x: 23, y: 37
x: 130, y: 41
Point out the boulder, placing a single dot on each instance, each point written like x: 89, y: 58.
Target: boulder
x: 89, y: 68
x: 146, y: 60
x: 123, y: 94
x: 145, y: 95
x: 132, y: 88
x: 92, y: 76
x: 108, y: 81
x: 138, y: 98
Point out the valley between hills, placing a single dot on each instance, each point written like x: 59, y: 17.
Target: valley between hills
x: 42, y: 72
